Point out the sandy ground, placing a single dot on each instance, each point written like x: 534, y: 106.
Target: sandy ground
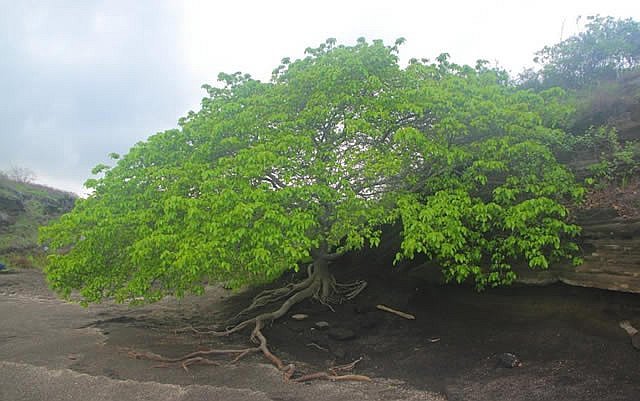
x: 567, y: 339
x: 52, y: 350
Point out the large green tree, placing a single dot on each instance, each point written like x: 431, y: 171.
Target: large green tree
x: 269, y: 177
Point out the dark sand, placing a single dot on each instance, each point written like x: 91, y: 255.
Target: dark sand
x: 567, y: 338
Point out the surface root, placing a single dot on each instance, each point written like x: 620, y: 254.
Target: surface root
x: 319, y: 285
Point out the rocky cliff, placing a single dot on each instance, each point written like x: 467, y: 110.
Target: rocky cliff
x: 611, y: 216
x: 611, y: 252
x: 23, y: 208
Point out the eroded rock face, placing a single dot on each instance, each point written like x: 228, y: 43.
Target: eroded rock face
x: 610, y: 246
x: 611, y: 258
x: 611, y: 217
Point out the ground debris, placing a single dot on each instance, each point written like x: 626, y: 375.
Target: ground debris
x: 396, y: 312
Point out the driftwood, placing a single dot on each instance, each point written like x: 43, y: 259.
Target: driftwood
x: 396, y: 312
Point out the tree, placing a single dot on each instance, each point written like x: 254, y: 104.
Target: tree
x: 20, y: 174
x: 268, y: 177
x: 604, y: 51
x: 495, y: 194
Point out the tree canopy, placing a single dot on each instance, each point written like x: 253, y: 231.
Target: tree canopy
x: 268, y: 176
x: 603, y: 51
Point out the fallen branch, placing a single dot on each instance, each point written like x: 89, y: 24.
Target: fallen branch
x: 396, y: 312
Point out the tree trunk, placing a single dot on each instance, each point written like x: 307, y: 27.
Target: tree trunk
x: 324, y: 278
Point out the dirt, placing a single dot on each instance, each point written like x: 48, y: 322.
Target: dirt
x: 621, y: 198
x: 567, y: 339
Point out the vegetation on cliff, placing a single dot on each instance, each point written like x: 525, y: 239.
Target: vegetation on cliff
x: 24, y: 207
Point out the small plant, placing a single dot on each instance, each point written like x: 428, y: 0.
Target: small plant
x: 617, y: 161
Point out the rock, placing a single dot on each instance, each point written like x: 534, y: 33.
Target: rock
x: 341, y: 334
x: 611, y: 259
x: 508, y: 360
x: 299, y: 316
x: 322, y: 325
x: 635, y: 341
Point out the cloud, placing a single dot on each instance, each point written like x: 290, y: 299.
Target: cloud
x: 83, y: 79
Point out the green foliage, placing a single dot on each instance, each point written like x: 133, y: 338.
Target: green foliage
x: 616, y: 162
x: 604, y: 51
x: 598, y: 68
x: 312, y: 164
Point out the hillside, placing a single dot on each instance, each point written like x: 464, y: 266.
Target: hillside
x: 23, y: 208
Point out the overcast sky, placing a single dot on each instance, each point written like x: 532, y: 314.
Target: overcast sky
x: 82, y: 79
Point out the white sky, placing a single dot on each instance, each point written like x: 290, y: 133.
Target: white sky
x: 144, y: 86
x: 223, y: 35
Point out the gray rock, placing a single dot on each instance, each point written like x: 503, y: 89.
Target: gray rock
x: 322, y: 325
x: 508, y: 360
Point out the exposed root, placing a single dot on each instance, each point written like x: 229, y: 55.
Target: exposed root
x: 345, y: 368
x: 287, y: 370
x: 331, y: 377
x: 319, y: 285
x: 194, y: 358
x: 184, y: 361
x: 318, y: 347
x: 267, y: 297
x: 348, y: 291
x: 159, y: 358
x: 193, y: 361
x: 200, y: 331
